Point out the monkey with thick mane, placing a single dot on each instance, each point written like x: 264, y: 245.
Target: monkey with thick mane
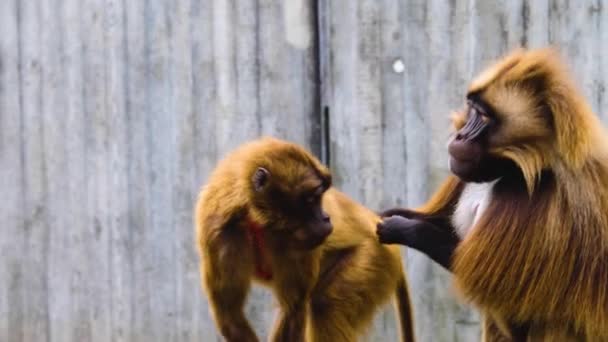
x: 523, y: 224
x: 268, y: 213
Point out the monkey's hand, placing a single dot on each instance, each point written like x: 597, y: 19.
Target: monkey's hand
x: 436, y: 241
x: 407, y: 213
x: 398, y: 229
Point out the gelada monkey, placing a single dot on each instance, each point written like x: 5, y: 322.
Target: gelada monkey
x: 523, y: 223
x: 268, y: 214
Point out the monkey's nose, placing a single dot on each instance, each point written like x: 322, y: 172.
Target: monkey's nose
x: 325, y: 218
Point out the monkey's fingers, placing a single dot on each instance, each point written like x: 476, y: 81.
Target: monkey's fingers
x: 387, y: 234
x: 397, y: 212
x: 397, y: 229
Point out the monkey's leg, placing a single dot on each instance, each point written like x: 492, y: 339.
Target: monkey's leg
x: 293, y: 296
x: 227, y: 279
x: 434, y: 237
x: 291, y: 323
x: 349, y: 293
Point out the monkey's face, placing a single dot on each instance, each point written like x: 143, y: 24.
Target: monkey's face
x: 505, y: 127
x: 470, y: 158
x: 290, y: 198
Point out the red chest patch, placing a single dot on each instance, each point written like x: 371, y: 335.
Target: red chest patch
x: 256, y: 238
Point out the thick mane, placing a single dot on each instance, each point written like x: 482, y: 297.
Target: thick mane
x: 547, y: 251
x: 546, y: 248
x: 529, y: 85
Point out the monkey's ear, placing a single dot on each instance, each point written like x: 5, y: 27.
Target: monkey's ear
x: 260, y: 178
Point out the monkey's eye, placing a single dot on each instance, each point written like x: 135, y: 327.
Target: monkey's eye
x: 484, y: 117
x: 316, y: 195
x: 476, y: 108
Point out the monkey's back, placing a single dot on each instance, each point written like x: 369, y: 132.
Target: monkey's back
x: 355, y: 227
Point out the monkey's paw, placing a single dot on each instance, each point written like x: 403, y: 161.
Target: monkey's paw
x: 407, y: 213
x: 397, y: 229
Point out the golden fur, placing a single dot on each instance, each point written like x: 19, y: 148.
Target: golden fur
x: 335, y: 288
x: 539, y: 254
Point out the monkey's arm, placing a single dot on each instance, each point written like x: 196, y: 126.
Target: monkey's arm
x: 428, y: 228
x: 227, y: 278
x: 434, y: 237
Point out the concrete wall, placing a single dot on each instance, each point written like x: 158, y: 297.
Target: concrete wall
x: 112, y: 113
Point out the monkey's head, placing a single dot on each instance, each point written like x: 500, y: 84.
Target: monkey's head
x: 522, y: 115
x: 287, y: 185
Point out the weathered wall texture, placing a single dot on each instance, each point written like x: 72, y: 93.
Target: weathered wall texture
x: 112, y: 113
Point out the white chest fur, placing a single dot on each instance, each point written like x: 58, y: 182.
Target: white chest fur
x: 473, y: 201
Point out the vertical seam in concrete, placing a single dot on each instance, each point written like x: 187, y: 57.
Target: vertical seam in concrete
x: 258, y: 70
x: 525, y: 18
x: 22, y: 200
x: 321, y: 130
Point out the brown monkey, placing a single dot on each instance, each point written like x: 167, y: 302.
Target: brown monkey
x: 523, y: 224
x: 268, y: 213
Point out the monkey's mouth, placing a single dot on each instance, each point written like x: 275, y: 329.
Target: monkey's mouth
x: 464, y: 159
x: 464, y: 169
x: 317, y: 239
x: 312, y: 244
